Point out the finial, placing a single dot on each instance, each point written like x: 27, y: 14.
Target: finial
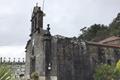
x: 36, y: 4
x: 48, y: 27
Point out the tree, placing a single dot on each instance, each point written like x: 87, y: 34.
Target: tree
x: 94, y: 32
x: 115, y: 26
x: 99, y: 32
x: 107, y: 72
x: 104, y: 72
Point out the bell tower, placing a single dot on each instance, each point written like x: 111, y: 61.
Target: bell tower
x: 37, y: 19
x: 36, y: 43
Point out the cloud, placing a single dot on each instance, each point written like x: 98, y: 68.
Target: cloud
x: 12, y: 51
x: 66, y: 17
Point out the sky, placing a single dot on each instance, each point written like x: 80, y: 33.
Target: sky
x: 66, y: 17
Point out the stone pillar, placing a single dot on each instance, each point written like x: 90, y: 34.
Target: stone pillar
x: 47, y: 50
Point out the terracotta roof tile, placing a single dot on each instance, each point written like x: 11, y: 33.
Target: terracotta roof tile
x: 110, y: 39
x: 102, y: 45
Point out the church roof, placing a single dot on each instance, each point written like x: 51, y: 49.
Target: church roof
x: 102, y: 45
x: 112, y: 38
x: 59, y: 36
x: 28, y: 42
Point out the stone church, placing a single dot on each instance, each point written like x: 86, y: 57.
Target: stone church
x: 62, y: 58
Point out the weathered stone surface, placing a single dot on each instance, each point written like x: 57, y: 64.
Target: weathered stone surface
x: 55, y: 57
x: 62, y: 58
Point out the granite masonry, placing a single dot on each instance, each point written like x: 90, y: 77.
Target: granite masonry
x: 62, y: 58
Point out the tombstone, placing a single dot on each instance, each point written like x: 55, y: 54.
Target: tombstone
x: 23, y: 60
x: 14, y: 60
x: 18, y: 59
x: 9, y: 59
x: 4, y: 59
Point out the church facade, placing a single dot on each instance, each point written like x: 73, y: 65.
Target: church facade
x: 53, y: 57
x: 62, y: 58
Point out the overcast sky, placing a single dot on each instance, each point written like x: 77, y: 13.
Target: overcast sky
x: 66, y: 17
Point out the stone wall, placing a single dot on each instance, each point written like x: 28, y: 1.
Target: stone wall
x: 62, y: 58
x: 72, y: 60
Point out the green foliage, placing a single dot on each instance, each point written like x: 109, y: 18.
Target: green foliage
x: 94, y: 32
x: 5, y: 72
x: 115, y: 26
x: 98, y: 32
x: 104, y: 72
x: 107, y: 72
x: 117, y: 71
x: 35, y: 76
